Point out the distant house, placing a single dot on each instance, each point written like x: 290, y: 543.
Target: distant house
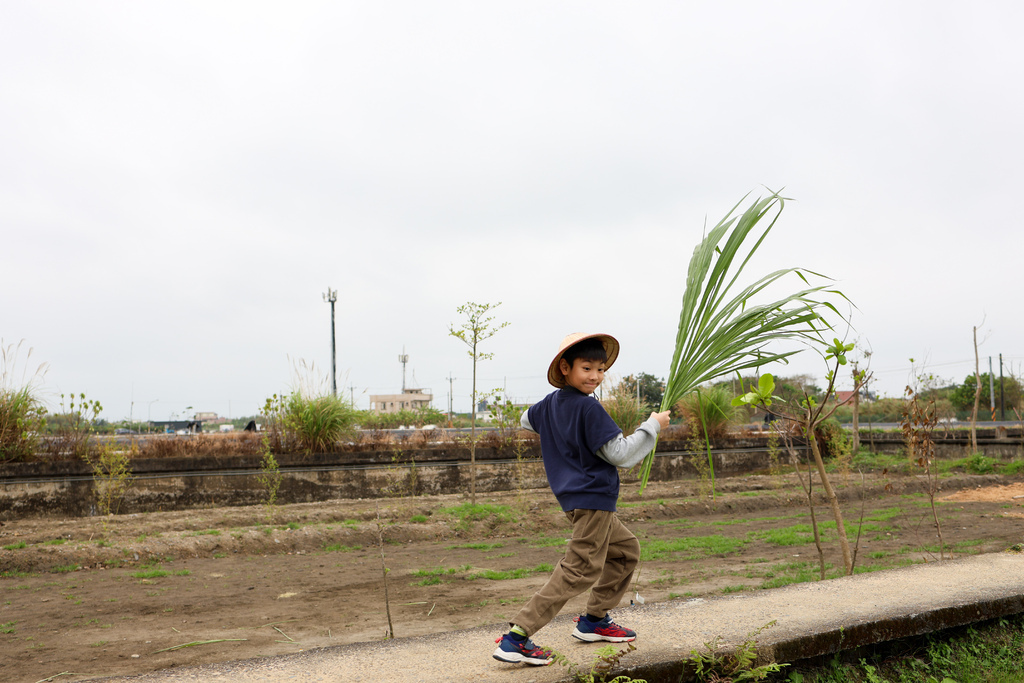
x: 410, y: 399
x: 846, y: 397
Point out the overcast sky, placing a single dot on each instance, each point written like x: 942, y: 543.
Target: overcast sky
x: 181, y: 182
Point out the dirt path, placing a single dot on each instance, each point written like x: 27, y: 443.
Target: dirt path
x: 87, y: 600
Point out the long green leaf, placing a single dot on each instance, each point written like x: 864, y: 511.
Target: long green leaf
x: 721, y: 332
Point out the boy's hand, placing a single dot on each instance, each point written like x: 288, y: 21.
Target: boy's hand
x: 662, y: 418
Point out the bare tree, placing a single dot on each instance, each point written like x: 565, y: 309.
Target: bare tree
x: 477, y: 328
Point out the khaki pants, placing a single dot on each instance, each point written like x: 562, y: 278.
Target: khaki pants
x: 602, y: 553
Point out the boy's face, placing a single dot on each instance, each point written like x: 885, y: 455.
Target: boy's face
x: 585, y: 375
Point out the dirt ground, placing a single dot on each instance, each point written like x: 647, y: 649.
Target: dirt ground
x: 83, y: 598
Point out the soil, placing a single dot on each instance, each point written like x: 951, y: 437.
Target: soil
x: 90, y: 597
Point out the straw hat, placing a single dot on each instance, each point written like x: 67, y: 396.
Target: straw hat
x: 611, y: 347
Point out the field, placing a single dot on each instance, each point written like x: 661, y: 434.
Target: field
x: 88, y: 598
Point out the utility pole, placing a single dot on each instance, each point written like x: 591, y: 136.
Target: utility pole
x: 403, y: 359
x: 450, y: 380
x: 352, y: 394
x: 1002, y: 402
x: 330, y: 297
x: 991, y: 390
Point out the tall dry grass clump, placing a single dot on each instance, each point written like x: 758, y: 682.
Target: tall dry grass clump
x: 709, y: 412
x: 21, y: 411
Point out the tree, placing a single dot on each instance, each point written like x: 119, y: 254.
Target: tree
x: 651, y: 388
x: 962, y: 396
x: 478, y: 327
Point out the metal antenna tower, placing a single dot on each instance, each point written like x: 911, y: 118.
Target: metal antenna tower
x: 330, y: 297
x: 403, y: 359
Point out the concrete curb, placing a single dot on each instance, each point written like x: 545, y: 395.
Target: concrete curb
x: 812, y: 619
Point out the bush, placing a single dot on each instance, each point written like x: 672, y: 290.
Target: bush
x: 21, y: 411
x: 313, y: 424
x: 708, y: 409
x: 404, y: 418
x: 21, y: 418
x: 833, y: 440
x: 627, y: 412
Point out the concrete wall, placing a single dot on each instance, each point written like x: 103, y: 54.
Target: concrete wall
x: 66, y: 488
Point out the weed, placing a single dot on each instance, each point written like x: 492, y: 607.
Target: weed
x: 467, y: 513
x: 112, y: 476
x: 269, y: 478
x: 605, y: 658
x: 339, y: 548
x: 64, y: 569
x: 707, y: 545
x: 735, y: 666
x: 15, y: 546
x: 477, y: 546
x: 7, y: 627
x: 522, y: 572
x: 418, y: 519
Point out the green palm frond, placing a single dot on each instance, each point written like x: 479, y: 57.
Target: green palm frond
x: 721, y: 332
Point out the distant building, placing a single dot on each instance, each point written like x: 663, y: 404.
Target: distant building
x: 410, y: 399
x: 206, y: 417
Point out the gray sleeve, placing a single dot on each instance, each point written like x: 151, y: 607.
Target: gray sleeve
x: 524, y: 422
x: 626, y: 451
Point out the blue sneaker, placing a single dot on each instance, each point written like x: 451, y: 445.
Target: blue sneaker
x: 514, y: 651
x: 606, y: 629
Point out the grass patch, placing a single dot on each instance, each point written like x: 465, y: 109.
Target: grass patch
x: 55, y: 541
x: 7, y: 627
x: 521, y: 573
x: 705, y: 545
x: 206, y: 532
x: 158, y: 573
x: 418, y: 519
x: 546, y: 541
x: 466, y: 513
x: 981, y: 653
x: 441, y: 571
x: 16, y: 546
x: 64, y: 568
x: 339, y: 548
x: 477, y: 546
x: 734, y: 589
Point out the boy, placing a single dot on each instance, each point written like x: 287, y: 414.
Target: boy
x: 582, y: 447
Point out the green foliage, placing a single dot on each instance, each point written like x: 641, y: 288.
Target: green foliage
x: 21, y: 411
x: 709, y: 412
x: 312, y: 424
x: 479, y: 512
x: 832, y: 438
x: 625, y: 411
x: 962, y: 396
x: 652, y: 389
x: 732, y: 667
x: 269, y: 478
x: 604, y: 660
x: 72, y: 428
x: 718, y: 335
x: 112, y: 475
x: 659, y: 549
x: 422, y: 417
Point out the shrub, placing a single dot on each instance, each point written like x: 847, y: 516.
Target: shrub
x: 709, y: 409
x: 314, y: 424
x: 21, y: 411
x: 626, y: 411
x: 832, y: 439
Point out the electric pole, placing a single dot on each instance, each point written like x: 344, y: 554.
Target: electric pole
x: 403, y: 359
x: 330, y: 297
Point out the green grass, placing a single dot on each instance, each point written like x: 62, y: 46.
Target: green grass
x: 206, y: 532
x: 55, y: 541
x: 704, y: 545
x: 441, y: 571
x: 16, y: 546
x: 477, y: 546
x: 468, y: 512
x: 734, y: 589
x: 339, y: 548
x: 987, y: 652
x: 803, y: 534
x: 158, y: 573
x: 7, y: 627
x: 65, y: 568
x: 523, y: 572
x: 418, y: 519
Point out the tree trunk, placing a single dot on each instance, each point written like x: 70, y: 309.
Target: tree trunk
x: 977, y: 397
x: 472, y: 438
x: 833, y: 501
x: 855, y: 408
